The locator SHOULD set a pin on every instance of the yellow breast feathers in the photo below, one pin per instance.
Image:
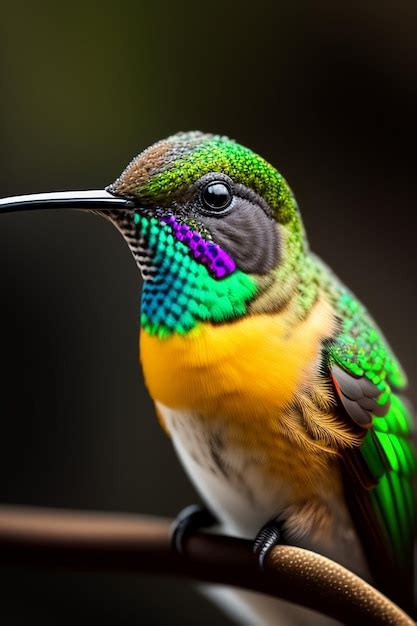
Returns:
(247, 369)
(246, 376)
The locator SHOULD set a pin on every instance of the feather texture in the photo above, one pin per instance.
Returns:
(381, 479)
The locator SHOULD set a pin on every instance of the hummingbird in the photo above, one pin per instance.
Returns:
(283, 399)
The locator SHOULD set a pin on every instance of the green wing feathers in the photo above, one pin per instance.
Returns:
(367, 377)
(388, 452)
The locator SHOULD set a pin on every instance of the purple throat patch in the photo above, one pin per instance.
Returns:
(209, 254)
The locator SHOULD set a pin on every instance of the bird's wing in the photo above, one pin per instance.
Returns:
(381, 473)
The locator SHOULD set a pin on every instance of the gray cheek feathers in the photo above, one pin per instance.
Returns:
(248, 235)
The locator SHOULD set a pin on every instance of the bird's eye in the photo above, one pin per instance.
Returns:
(216, 196)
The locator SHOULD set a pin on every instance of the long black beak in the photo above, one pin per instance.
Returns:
(98, 199)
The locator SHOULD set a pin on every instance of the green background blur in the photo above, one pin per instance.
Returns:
(327, 92)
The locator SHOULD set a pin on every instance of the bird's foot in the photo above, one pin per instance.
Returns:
(269, 536)
(188, 521)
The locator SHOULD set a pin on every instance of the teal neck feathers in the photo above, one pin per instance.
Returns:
(181, 292)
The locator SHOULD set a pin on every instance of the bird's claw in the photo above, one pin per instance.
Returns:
(188, 521)
(269, 536)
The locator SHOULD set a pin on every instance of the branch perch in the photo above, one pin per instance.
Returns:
(52, 538)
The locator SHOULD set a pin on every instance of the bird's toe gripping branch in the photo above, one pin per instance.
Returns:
(187, 522)
(269, 536)
(196, 517)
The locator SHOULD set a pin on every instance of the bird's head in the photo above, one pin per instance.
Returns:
(214, 224)
(214, 229)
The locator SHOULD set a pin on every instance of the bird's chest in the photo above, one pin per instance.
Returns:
(223, 394)
(231, 478)
(247, 370)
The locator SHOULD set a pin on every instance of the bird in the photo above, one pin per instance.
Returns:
(282, 398)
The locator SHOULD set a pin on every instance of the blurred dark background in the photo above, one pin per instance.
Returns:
(326, 91)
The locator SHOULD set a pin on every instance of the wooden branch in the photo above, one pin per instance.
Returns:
(51, 539)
